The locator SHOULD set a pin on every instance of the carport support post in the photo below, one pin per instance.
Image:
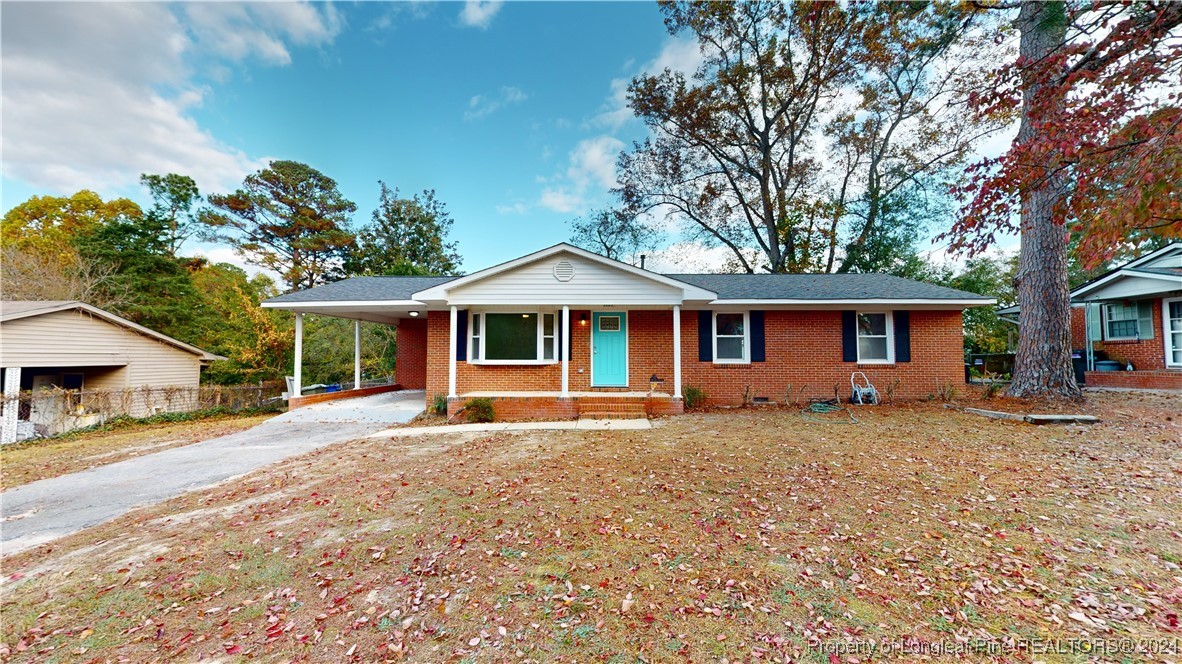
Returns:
(12, 404)
(451, 355)
(565, 344)
(357, 355)
(299, 355)
(677, 351)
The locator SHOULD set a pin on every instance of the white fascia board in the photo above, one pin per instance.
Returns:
(341, 304)
(1121, 274)
(805, 304)
(439, 293)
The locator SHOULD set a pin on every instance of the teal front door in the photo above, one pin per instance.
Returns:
(609, 349)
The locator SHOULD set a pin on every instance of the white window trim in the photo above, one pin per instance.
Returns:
(1105, 320)
(890, 337)
(1165, 329)
(476, 350)
(746, 359)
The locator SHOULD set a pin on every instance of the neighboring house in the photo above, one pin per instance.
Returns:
(1130, 316)
(77, 347)
(563, 331)
(1133, 315)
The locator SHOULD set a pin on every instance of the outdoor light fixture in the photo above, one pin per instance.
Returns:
(414, 314)
(582, 319)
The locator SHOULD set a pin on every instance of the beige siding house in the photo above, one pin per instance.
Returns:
(74, 346)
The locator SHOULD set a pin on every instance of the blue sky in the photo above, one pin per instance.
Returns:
(512, 112)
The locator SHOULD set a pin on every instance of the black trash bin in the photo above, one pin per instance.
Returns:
(1080, 364)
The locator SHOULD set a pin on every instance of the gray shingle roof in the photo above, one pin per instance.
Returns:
(1168, 271)
(821, 287)
(363, 289)
(728, 286)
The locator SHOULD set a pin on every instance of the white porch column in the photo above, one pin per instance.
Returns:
(677, 351)
(451, 355)
(12, 388)
(298, 378)
(565, 344)
(357, 355)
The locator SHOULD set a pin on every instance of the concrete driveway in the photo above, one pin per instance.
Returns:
(46, 510)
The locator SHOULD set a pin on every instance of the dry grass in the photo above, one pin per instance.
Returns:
(34, 460)
(737, 536)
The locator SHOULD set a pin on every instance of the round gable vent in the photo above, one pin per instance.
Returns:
(564, 271)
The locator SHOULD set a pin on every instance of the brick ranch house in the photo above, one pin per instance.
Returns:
(563, 332)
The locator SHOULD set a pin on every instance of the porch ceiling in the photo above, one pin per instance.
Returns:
(386, 314)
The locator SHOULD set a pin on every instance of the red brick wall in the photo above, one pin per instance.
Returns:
(1145, 354)
(802, 347)
(309, 399)
(410, 366)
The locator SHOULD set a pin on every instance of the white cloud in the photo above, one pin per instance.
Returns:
(480, 106)
(561, 200)
(95, 94)
(219, 254)
(516, 208)
(679, 55)
(479, 13)
(592, 164)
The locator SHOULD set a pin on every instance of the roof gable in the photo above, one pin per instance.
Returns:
(1155, 273)
(17, 309)
(564, 274)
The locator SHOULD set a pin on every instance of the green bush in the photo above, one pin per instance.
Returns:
(479, 410)
(693, 396)
(439, 405)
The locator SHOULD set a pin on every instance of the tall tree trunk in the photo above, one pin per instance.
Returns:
(1043, 363)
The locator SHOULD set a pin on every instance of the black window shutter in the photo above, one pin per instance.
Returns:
(705, 336)
(558, 331)
(757, 344)
(849, 336)
(902, 336)
(462, 335)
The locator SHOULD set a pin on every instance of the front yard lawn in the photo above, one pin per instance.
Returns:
(21, 463)
(722, 536)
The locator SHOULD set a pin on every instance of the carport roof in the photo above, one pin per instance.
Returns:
(363, 289)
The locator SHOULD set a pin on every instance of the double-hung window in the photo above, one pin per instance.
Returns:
(730, 338)
(513, 338)
(1120, 321)
(874, 338)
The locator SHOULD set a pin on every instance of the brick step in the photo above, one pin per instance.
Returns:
(611, 415)
(637, 401)
(637, 407)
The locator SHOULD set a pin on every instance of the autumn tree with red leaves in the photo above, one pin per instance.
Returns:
(1098, 87)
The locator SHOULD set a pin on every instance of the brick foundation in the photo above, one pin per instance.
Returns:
(1141, 380)
(309, 399)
